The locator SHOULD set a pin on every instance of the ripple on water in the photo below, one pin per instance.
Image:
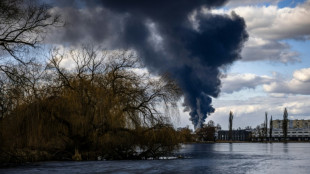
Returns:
(200, 158)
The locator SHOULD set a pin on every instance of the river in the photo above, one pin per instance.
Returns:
(199, 158)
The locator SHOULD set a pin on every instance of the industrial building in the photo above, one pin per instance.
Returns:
(237, 135)
(297, 130)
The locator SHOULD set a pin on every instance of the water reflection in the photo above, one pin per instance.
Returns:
(201, 158)
(285, 147)
(231, 147)
(271, 148)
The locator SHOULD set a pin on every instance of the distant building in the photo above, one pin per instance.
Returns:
(297, 130)
(292, 124)
(237, 135)
(217, 129)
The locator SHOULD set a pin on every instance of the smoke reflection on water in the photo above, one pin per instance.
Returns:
(198, 158)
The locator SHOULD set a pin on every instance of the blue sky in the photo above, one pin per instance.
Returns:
(267, 67)
(273, 74)
(267, 81)
(289, 3)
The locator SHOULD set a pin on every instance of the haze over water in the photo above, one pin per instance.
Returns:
(200, 158)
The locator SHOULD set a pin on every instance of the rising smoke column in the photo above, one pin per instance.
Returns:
(171, 36)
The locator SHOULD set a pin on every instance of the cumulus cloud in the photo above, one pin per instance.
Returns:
(258, 49)
(302, 75)
(275, 85)
(275, 23)
(165, 41)
(235, 3)
(268, 26)
(237, 82)
(299, 84)
(251, 112)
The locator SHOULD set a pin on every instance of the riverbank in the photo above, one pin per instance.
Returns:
(213, 142)
(18, 157)
(23, 156)
(202, 158)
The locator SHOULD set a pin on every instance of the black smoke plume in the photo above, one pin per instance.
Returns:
(178, 37)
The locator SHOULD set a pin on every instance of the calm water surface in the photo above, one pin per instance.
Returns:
(201, 158)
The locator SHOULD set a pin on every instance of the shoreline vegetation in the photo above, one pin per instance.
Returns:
(102, 105)
(109, 111)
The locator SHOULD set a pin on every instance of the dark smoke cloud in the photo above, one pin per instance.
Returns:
(161, 32)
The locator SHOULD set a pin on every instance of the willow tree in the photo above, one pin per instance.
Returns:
(118, 104)
(99, 107)
(23, 25)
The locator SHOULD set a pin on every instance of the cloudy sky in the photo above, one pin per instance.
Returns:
(274, 71)
(245, 56)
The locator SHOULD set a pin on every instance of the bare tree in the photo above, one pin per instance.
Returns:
(23, 24)
(109, 95)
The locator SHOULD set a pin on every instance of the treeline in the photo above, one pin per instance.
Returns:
(79, 104)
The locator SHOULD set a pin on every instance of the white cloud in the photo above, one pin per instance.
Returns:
(257, 49)
(302, 75)
(276, 85)
(279, 93)
(235, 3)
(277, 23)
(268, 26)
(237, 82)
(251, 112)
(299, 84)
